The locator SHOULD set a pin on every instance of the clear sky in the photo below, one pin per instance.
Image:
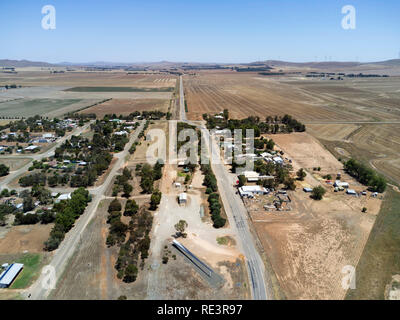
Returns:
(199, 30)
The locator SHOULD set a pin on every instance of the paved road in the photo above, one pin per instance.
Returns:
(73, 237)
(182, 100)
(237, 215)
(37, 156)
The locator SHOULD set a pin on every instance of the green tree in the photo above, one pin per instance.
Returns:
(318, 193)
(155, 199)
(301, 174)
(180, 228)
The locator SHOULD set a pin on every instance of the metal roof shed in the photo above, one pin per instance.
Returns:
(8, 276)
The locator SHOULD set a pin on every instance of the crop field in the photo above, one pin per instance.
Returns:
(48, 107)
(374, 144)
(127, 106)
(82, 78)
(306, 100)
(119, 89)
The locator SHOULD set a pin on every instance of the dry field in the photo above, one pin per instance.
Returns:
(44, 93)
(22, 238)
(77, 79)
(126, 106)
(309, 245)
(306, 100)
(376, 144)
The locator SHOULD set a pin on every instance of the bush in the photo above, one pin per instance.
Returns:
(318, 193)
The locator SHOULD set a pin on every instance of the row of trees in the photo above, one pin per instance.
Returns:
(365, 175)
(210, 181)
(149, 175)
(67, 211)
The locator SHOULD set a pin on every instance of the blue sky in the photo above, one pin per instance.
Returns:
(199, 31)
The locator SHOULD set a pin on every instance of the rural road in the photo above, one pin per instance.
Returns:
(237, 215)
(60, 259)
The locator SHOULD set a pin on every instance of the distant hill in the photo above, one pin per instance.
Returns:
(24, 63)
(327, 64)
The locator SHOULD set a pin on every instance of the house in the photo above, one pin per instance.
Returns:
(8, 276)
(342, 184)
(351, 192)
(65, 196)
(218, 117)
(31, 148)
(277, 160)
(121, 133)
(182, 198)
(47, 136)
(250, 191)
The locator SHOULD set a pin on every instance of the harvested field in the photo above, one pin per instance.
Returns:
(306, 100)
(82, 78)
(119, 89)
(374, 144)
(127, 106)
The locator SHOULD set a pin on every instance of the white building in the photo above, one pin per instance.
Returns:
(351, 192)
(8, 276)
(342, 184)
(31, 148)
(182, 198)
(277, 160)
(121, 133)
(250, 191)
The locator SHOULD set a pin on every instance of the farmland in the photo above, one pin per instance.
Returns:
(127, 106)
(306, 100)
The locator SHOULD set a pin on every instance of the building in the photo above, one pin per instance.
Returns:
(342, 184)
(182, 198)
(121, 133)
(8, 276)
(250, 191)
(351, 192)
(65, 196)
(277, 160)
(47, 136)
(252, 176)
(307, 189)
(31, 148)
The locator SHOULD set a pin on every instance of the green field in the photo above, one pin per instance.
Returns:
(119, 89)
(29, 272)
(381, 256)
(29, 108)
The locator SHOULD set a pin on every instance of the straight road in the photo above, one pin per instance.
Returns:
(237, 215)
(182, 99)
(59, 261)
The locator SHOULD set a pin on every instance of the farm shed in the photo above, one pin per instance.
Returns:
(8, 276)
(182, 198)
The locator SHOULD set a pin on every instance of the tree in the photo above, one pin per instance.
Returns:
(127, 190)
(115, 205)
(318, 193)
(290, 184)
(301, 174)
(226, 114)
(155, 199)
(242, 180)
(180, 228)
(28, 204)
(131, 272)
(131, 208)
(4, 170)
